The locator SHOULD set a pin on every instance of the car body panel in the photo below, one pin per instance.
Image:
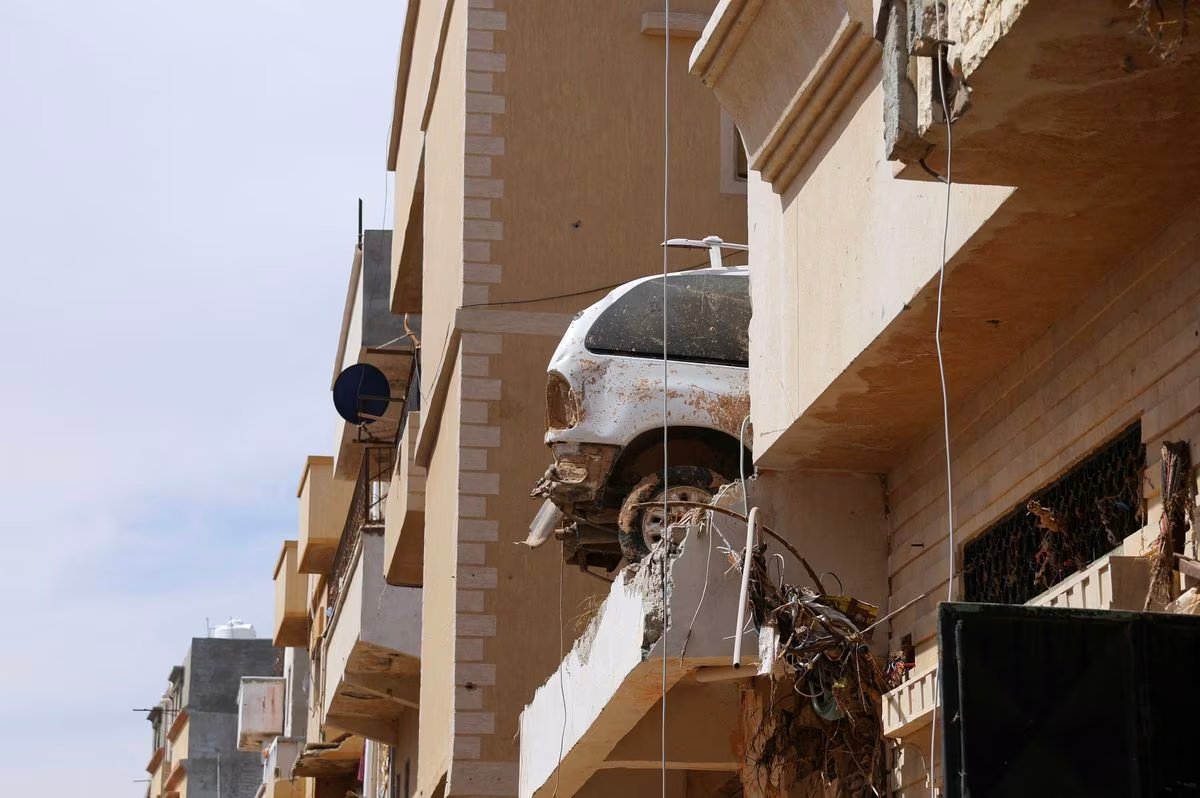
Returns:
(614, 398)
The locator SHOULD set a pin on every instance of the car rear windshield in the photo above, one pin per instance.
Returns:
(708, 320)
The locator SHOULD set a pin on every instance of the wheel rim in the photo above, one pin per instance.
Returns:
(652, 517)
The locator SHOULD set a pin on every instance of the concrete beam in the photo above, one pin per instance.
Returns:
(701, 720)
(607, 783)
(682, 783)
(380, 729)
(401, 690)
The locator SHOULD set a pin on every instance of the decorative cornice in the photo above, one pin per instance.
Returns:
(816, 105)
(722, 36)
(784, 112)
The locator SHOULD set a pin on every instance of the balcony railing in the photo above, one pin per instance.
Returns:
(366, 511)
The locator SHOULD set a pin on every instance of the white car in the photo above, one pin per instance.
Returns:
(605, 409)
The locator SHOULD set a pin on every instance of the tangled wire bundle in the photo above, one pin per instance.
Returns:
(828, 725)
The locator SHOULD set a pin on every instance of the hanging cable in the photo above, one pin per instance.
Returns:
(666, 234)
(583, 292)
(562, 690)
(942, 51)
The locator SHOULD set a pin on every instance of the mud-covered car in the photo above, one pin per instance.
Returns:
(605, 409)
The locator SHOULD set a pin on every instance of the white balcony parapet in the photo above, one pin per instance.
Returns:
(1112, 582)
(910, 706)
(613, 675)
(279, 757)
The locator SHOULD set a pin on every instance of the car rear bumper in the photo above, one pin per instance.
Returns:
(578, 474)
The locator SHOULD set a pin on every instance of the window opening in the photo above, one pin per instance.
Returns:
(708, 322)
(1062, 528)
(741, 167)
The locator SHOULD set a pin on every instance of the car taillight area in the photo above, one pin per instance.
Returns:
(562, 409)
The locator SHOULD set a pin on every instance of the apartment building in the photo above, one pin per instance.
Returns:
(194, 724)
(527, 145)
(342, 719)
(1071, 348)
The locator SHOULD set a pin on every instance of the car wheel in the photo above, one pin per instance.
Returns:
(641, 527)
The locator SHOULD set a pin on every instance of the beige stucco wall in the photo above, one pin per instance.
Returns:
(444, 167)
(542, 175)
(583, 161)
(841, 254)
(838, 523)
(1130, 350)
(157, 778)
(437, 609)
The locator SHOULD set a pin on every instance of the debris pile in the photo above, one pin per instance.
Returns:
(1166, 32)
(1178, 507)
(826, 724)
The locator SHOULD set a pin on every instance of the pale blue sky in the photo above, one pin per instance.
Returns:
(177, 216)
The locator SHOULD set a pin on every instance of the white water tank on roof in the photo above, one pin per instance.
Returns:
(234, 630)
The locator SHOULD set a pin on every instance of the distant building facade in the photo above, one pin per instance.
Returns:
(195, 723)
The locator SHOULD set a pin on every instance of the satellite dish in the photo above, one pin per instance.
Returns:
(361, 394)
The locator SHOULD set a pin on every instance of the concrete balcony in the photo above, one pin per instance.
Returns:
(324, 502)
(291, 599)
(261, 706)
(158, 767)
(404, 527)
(1053, 194)
(1112, 582)
(279, 757)
(612, 679)
(372, 334)
(612, 682)
(174, 777)
(370, 660)
(338, 757)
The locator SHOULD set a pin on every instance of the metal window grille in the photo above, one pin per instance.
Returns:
(1095, 506)
(366, 510)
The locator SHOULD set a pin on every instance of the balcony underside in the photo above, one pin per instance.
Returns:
(292, 632)
(1097, 135)
(377, 686)
(339, 757)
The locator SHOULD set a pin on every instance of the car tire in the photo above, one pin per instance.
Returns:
(694, 480)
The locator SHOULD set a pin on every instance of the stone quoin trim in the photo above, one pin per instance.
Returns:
(479, 433)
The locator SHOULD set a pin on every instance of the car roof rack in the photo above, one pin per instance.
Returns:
(714, 245)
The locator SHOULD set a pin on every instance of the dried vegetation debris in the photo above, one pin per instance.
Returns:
(820, 728)
(1164, 21)
(1178, 511)
(823, 721)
